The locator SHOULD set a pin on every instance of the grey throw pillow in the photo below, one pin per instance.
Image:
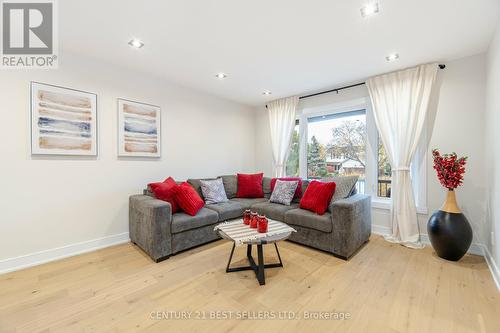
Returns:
(284, 191)
(213, 191)
(345, 185)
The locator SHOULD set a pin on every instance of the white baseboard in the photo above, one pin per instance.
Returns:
(474, 248)
(37, 258)
(495, 272)
(381, 230)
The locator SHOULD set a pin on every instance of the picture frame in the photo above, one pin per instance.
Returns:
(63, 121)
(139, 129)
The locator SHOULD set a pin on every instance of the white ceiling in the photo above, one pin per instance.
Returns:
(285, 46)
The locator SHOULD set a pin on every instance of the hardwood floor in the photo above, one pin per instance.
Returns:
(384, 288)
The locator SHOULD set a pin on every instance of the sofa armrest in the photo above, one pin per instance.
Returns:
(351, 218)
(149, 225)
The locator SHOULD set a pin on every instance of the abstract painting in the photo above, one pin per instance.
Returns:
(138, 129)
(63, 121)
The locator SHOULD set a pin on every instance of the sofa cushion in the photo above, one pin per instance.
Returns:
(272, 210)
(284, 191)
(196, 184)
(227, 210)
(344, 186)
(165, 191)
(305, 184)
(266, 186)
(213, 191)
(298, 190)
(248, 202)
(182, 221)
(317, 197)
(230, 185)
(308, 219)
(188, 199)
(147, 191)
(250, 185)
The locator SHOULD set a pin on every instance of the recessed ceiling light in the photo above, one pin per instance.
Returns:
(136, 43)
(369, 9)
(266, 92)
(392, 57)
(221, 75)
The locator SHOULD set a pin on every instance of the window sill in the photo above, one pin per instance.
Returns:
(386, 205)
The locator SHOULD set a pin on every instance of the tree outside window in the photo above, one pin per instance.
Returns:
(292, 164)
(337, 146)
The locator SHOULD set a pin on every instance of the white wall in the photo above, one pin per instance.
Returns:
(459, 126)
(492, 229)
(50, 202)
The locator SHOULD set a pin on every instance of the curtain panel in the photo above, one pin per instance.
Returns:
(282, 113)
(400, 103)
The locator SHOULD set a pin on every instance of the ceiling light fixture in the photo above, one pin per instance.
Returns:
(221, 75)
(136, 43)
(266, 93)
(369, 9)
(392, 57)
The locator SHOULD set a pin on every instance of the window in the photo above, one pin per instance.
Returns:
(384, 172)
(342, 139)
(292, 164)
(336, 145)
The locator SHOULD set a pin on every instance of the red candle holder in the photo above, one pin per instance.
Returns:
(246, 217)
(262, 225)
(254, 220)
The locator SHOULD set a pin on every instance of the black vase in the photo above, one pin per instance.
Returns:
(449, 231)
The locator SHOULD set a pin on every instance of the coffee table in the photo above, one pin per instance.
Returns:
(260, 266)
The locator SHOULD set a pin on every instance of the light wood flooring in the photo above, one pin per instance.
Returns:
(383, 288)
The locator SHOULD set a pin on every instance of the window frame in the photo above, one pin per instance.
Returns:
(419, 163)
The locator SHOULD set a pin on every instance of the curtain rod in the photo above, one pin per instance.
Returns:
(441, 66)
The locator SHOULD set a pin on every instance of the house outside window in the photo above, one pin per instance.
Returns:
(337, 146)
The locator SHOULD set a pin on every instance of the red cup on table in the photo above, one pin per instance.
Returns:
(246, 216)
(254, 220)
(262, 225)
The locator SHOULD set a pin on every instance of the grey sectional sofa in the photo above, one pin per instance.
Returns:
(343, 229)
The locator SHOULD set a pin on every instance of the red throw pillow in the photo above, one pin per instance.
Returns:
(298, 191)
(165, 191)
(188, 199)
(250, 186)
(317, 196)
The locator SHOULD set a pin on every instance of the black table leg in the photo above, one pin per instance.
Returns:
(258, 268)
(278, 253)
(260, 272)
(230, 257)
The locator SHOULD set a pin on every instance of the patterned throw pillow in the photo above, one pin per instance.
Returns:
(213, 191)
(298, 191)
(284, 191)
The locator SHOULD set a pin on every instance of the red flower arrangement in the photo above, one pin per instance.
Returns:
(450, 169)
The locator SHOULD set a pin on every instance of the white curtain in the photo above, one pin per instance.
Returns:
(400, 105)
(282, 122)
